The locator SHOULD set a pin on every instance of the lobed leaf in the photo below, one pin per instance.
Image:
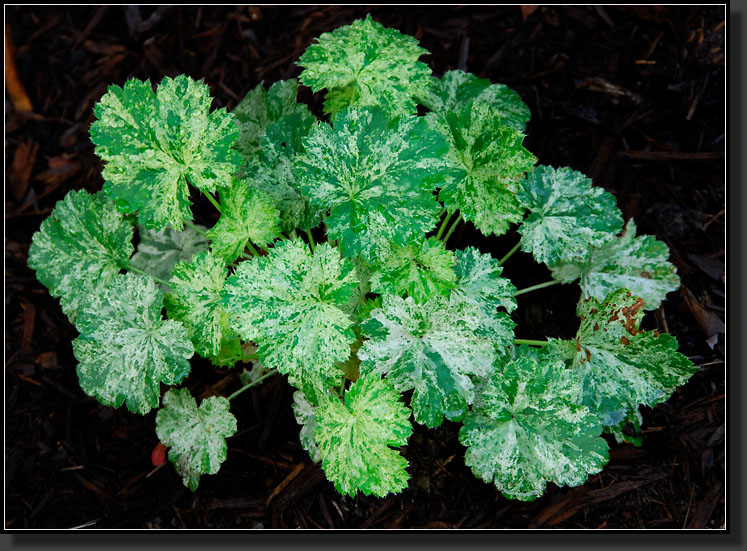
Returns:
(479, 282)
(305, 414)
(196, 437)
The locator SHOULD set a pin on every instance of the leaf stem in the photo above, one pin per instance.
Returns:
(311, 240)
(214, 202)
(452, 228)
(253, 383)
(251, 248)
(509, 254)
(535, 287)
(531, 342)
(131, 268)
(443, 225)
(195, 228)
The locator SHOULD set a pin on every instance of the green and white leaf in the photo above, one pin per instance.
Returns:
(356, 438)
(159, 251)
(305, 414)
(79, 248)
(375, 176)
(486, 161)
(196, 301)
(420, 270)
(619, 365)
(153, 145)
(247, 215)
(457, 88)
(639, 264)
(567, 215)
(479, 282)
(196, 437)
(434, 348)
(126, 349)
(529, 430)
(290, 303)
(365, 64)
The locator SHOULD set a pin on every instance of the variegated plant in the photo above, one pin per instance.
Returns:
(383, 324)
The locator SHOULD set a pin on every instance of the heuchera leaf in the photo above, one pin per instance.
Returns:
(619, 365)
(196, 437)
(289, 303)
(434, 348)
(153, 145)
(305, 414)
(79, 248)
(486, 161)
(567, 215)
(418, 270)
(457, 88)
(366, 64)
(356, 437)
(638, 264)
(159, 251)
(126, 349)
(529, 430)
(196, 301)
(375, 176)
(479, 282)
(247, 214)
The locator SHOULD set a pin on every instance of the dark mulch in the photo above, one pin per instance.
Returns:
(633, 96)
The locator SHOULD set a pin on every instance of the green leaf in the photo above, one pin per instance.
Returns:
(247, 215)
(356, 438)
(486, 161)
(375, 176)
(456, 89)
(290, 303)
(305, 414)
(638, 264)
(196, 301)
(159, 251)
(152, 145)
(566, 215)
(365, 64)
(434, 348)
(619, 365)
(196, 437)
(79, 248)
(418, 270)
(126, 349)
(479, 282)
(529, 430)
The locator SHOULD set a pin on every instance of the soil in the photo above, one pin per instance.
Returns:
(633, 96)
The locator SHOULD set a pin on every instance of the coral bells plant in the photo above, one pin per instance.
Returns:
(381, 325)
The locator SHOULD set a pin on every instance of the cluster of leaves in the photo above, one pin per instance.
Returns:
(383, 308)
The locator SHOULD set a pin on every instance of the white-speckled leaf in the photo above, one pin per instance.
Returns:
(567, 215)
(79, 248)
(159, 251)
(290, 303)
(456, 88)
(619, 365)
(420, 270)
(153, 145)
(247, 215)
(365, 64)
(479, 282)
(305, 414)
(126, 349)
(529, 430)
(375, 176)
(434, 348)
(486, 161)
(356, 438)
(196, 437)
(639, 264)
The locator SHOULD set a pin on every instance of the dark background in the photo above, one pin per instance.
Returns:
(633, 96)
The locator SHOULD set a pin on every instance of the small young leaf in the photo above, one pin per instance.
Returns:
(355, 438)
(529, 430)
(638, 264)
(479, 282)
(434, 348)
(289, 302)
(154, 144)
(196, 437)
(456, 89)
(566, 215)
(79, 248)
(126, 349)
(486, 161)
(365, 64)
(305, 414)
(376, 177)
(619, 365)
